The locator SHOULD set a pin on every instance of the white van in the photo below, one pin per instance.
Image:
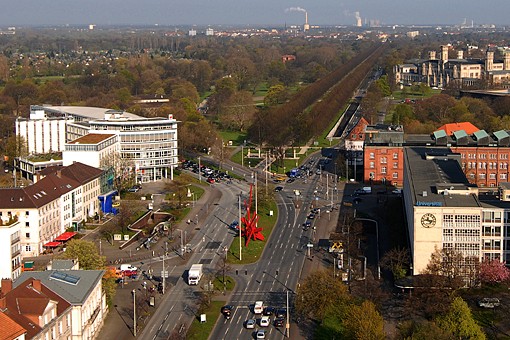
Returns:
(258, 307)
(367, 190)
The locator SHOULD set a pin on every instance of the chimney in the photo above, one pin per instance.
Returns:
(37, 285)
(6, 286)
(3, 302)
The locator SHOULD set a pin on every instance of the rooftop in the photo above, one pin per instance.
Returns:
(92, 138)
(450, 128)
(437, 178)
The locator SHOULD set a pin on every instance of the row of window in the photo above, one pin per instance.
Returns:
(372, 165)
(383, 171)
(484, 156)
(383, 159)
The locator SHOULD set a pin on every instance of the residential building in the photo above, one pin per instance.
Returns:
(36, 309)
(10, 242)
(82, 289)
(60, 198)
(10, 329)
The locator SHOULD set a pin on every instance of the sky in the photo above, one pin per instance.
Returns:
(249, 12)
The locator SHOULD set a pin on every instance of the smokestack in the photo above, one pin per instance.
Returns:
(306, 26)
(306, 18)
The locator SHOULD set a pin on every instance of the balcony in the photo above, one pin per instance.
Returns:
(15, 240)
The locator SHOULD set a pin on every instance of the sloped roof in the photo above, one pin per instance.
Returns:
(76, 294)
(10, 329)
(26, 301)
(79, 172)
(450, 128)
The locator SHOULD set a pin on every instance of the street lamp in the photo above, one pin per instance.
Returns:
(134, 312)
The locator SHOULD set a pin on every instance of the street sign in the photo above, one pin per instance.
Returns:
(164, 273)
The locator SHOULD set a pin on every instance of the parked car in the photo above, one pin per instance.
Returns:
(489, 302)
(234, 225)
(311, 216)
(250, 323)
(278, 189)
(396, 191)
(307, 224)
(133, 189)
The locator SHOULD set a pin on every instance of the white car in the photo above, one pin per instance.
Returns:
(261, 334)
(396, 191)
(265, 321)
(250, 323)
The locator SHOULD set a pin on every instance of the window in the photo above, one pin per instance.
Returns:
(372, 165)
(384, 160)
(372, 155)
(27, 235)
(502, 176)
(395, 155)
(27, 224)
(28, 248)
(395, 165)
(383, 170)
(395, 175)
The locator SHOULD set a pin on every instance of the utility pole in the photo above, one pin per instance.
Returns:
(199, 169)
(256, 200)
(240, 225)
(134, 312)
(288, 323)
(164, 271)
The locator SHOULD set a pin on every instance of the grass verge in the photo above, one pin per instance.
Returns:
(201, 330)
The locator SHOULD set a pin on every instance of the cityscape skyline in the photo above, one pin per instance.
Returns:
(263, 12)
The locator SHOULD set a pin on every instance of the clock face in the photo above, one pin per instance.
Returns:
(428, 220)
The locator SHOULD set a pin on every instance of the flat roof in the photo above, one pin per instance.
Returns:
(431, 171)
(92, 138)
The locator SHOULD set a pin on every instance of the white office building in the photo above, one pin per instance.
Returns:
(10, 261)
(94, 149)
(148, 145)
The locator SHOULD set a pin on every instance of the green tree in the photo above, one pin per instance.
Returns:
(318, 293)
(364, 322)
(459, 321)
(87, 254)
(397, 261)
(15, 147)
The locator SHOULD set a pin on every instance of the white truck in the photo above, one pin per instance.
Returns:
(195, 274)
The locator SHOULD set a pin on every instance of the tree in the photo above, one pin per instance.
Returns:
(423, 331)
(15, 147)
(87, 254)
(446, 264)
(238, 111)
(493, 271)
(318, 293)
(364, 322)
(396, 260)
(459, 321)
(178, 188)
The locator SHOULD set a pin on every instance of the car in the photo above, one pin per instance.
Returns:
(265, 321)
(268, 311)
(311, 216)
(261, 334)
(290, 180)
(250, 323)
(278, 189)
(307, 224)
(210, 180)
(315, 210)
(396, 191)
(280, 313)
(279, 322)
(227, 311)
(234, 225)
(489, 302)
(133, 189)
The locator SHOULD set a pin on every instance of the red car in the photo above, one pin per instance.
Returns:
(130, 273)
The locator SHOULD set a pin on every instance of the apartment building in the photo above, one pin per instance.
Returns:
(10, 242)
(82, 289)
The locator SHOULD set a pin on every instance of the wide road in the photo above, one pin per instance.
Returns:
(279, 268)
(178, 306)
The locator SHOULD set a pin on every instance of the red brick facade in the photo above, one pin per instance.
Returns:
(383, 164)
(483, 166)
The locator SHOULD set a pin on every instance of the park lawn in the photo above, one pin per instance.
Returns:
(201, 330)
(261, 90)
(236, 137)
(254, 250)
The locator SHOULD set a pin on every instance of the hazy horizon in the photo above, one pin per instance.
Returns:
(242, 12)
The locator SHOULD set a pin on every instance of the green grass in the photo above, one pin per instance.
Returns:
(201, 330)
(261, 90)
(236, 137)
(218, 283)
(254, 250)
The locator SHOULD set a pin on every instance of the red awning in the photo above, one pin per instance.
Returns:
(52, 244)
(66, 236)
